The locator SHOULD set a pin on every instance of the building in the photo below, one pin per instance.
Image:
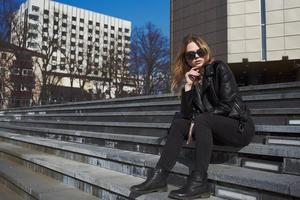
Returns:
(82, 48)
(17, 81)
(260, 39)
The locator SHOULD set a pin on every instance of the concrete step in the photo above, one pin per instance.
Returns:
(261, 157)
(138, 128)
(259, 184)
(6, 193)
(275, 116)
(278, 88)
(288, 100)
(288, 87)
(38, 186)
(135, 99)
(106, 183)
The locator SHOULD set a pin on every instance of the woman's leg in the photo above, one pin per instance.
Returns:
(157, 180)
(178, 130)
(209, 127)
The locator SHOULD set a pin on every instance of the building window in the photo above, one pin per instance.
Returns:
(53, 67)
(33, 26)
(62, 67)
(73, 18)
(105, 26)
(16, 71)
(46, 12)
(81, 20)
(112, 35)
(105, 34)
(35, 8)
(65, 16)
(90, 22)
(33, 17)
(120, 30)
(56, 14)
(112, 28)
(126, 30)
(73, 26)
(97, 24)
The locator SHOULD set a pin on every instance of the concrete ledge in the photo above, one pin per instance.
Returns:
(247, 98)
(7, 193)
(135, 98)
(143, 125)
(37, 185)
(278, 128)
(119, 183)
(253, 148)
(257, 111)
(271, 86)
(262, 97)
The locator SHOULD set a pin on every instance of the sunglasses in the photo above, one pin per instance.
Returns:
(191, 55)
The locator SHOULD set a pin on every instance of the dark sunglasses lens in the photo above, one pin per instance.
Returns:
(190, 55)
(200, 53)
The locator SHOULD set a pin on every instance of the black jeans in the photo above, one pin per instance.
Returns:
(208, 129)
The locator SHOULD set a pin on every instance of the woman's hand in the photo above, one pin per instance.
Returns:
(190, 77)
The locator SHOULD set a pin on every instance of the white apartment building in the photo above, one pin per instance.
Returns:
(83, 38)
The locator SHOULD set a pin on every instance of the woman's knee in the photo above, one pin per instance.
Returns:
(203, 119)
(180, 123)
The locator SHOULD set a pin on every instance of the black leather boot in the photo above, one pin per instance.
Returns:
(156, 181)
(196, 187)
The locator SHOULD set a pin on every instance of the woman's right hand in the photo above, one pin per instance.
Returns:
(190, 77)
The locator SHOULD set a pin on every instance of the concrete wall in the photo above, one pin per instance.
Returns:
(204, 17)
(244, 31)
(283, 29)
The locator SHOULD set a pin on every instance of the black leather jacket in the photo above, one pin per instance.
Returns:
(218, 94)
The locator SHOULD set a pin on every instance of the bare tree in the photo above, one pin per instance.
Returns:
(7, 9)
(150, 58)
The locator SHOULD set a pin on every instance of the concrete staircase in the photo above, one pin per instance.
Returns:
(98, 149)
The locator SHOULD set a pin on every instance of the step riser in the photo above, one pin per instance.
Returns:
(270, 91)
(65, 179)
(258, 119)
(289, 103)
(282, 103)
(17, 190)
(98, 128)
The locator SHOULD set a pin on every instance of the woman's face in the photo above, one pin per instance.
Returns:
(194, 56)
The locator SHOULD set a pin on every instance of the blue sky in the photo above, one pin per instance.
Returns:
(137, 11)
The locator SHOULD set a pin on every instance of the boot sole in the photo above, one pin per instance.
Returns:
(164, 189)
(202, 196)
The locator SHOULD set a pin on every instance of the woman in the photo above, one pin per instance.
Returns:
(212, 111)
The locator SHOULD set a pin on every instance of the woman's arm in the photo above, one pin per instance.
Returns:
(186, 103)
(228, 89)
